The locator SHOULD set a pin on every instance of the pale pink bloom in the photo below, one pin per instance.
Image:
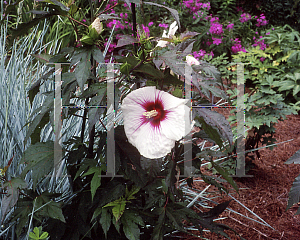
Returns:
(154, 120)
(190, 60)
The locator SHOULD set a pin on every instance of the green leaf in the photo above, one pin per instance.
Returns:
(35, 87)
(296, 90)
(149, 69)
(35, 136)
(23, 28)
(47, 106)
(116, 224)
(131, 230)
(33, 235)
(36, 231)
(87, 163)
(170, 79)
(82, 70)
(130, 227)
(212, 132)
(90, 171)
(225, 175)
(177, 92)
(175, 219)
(125, 68)
(97, 54)
(93, 34)
(48, 208)
(44, 235)
(105, 220)
(118, 207)
(96, 182)
(86, 39)
(129, 194)
(113, 191)
(171, 60)
(40, 159)
(158, 232)
(21, 215)
(73, 9)
(55, 211)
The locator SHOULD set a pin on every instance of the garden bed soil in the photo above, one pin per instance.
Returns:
(266, 193)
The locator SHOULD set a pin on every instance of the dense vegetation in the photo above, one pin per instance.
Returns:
(61, 176)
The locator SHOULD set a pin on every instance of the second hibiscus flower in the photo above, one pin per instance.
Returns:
(154, 120)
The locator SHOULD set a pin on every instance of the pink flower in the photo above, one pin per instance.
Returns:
(216, 28)
(261, 21)
(230, 26)
(150, 24)
(154, 120)
(245, 17)
(200, 54)
(217, 41)
(164, 25)
(237, 47)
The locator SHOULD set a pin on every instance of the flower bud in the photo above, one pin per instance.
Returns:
(97, 25)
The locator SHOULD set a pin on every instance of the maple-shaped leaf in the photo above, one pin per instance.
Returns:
(12, 195)
(218, 122)
(48, 208)
(171, 59)
(40, 159)
(118, 207)
(130, 221)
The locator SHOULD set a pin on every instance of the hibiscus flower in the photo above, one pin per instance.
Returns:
(154, 120)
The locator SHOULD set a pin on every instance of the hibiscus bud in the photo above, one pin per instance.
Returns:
(190, 60)
(97, 25)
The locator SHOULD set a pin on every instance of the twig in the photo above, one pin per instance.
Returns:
(107, 9)
(77, 21)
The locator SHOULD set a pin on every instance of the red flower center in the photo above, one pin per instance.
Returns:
(154, 112)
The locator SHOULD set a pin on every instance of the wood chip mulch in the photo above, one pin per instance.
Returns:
(266, 194)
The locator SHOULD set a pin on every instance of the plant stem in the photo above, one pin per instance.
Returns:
(134, 24)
